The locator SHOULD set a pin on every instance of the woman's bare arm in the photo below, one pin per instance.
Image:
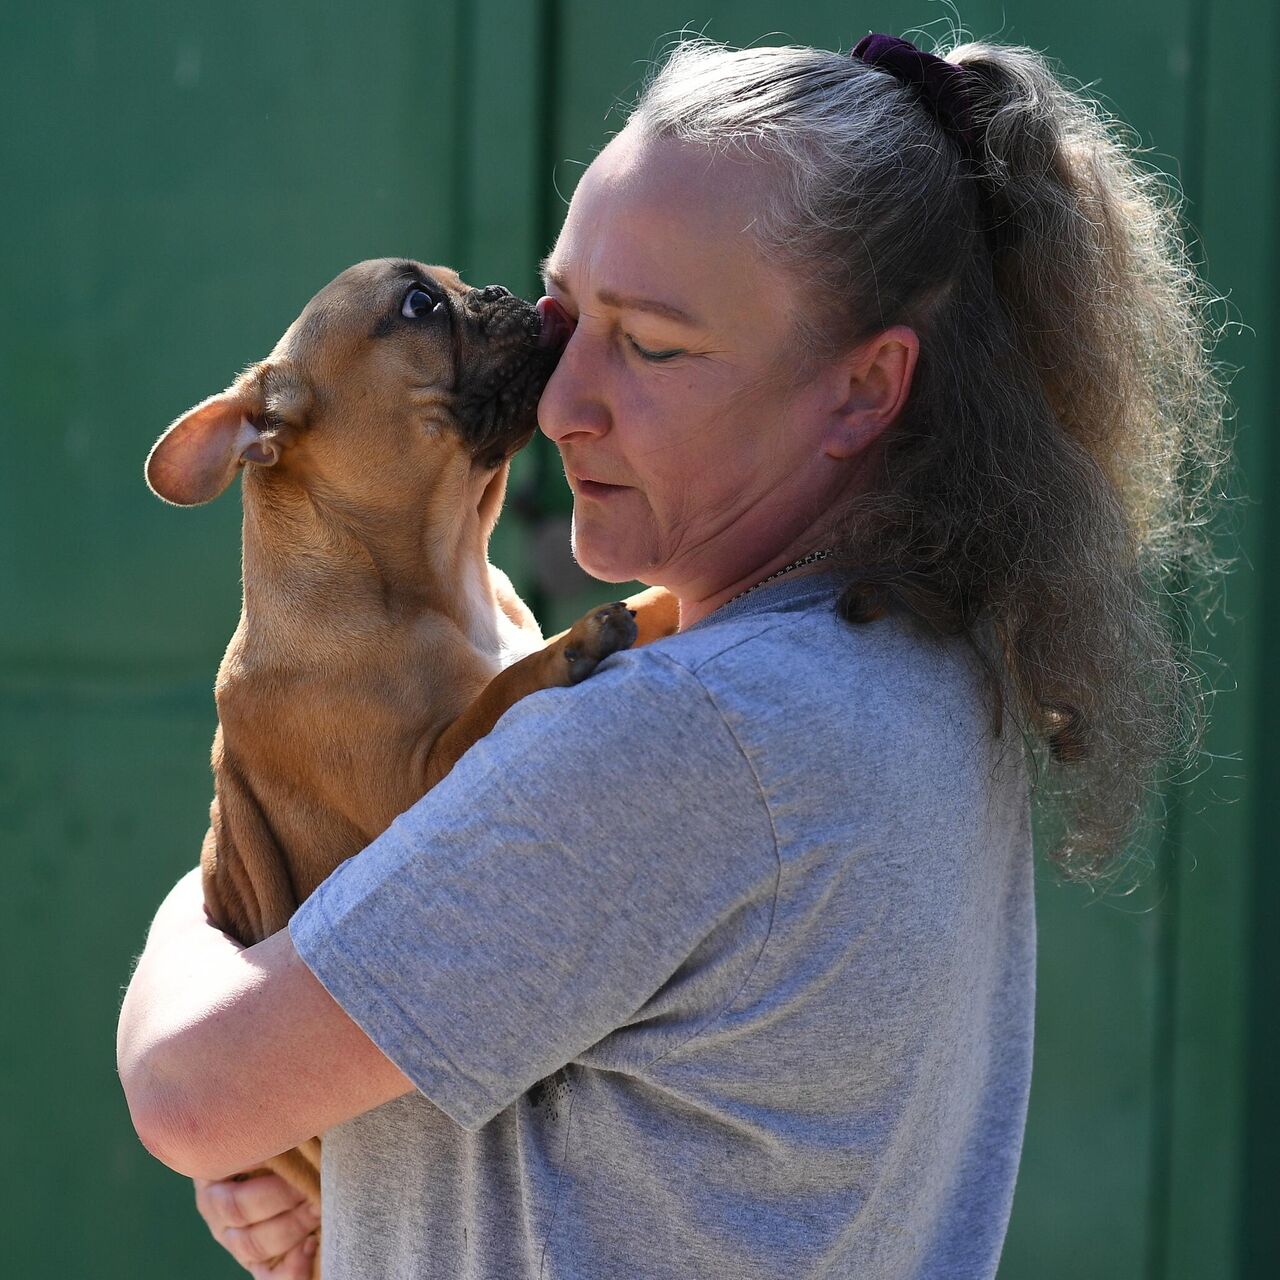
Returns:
(229, 1055)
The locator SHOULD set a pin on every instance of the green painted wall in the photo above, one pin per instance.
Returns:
(178, 181)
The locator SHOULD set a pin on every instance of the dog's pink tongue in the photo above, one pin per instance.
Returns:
(556, 325)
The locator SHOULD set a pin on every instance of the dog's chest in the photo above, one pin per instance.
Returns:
(492, 634)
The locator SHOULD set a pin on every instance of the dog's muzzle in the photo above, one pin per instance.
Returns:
(507, 358)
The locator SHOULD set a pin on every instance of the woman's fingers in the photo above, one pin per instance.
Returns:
(261, 1220)
(295, 1265)
(242, 1201)
(265, 1241)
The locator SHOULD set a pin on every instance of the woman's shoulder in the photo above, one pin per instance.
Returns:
(885, 688)
(883, 698)
(889, 663)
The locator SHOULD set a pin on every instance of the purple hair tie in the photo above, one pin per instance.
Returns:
(944, 87)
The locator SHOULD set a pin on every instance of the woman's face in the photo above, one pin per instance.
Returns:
(688, 437)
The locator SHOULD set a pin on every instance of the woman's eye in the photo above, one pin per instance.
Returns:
(646, 354)
(418, 303)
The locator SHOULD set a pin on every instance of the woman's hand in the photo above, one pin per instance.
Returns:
(260, 1220)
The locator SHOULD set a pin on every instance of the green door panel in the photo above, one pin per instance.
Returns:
(103, 803)
(179, 180)
(1224, 971)
(190, 178)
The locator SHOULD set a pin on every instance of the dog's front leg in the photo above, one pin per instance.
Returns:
(568, 658)
(657, 614)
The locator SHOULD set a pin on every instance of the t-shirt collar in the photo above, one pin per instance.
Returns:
(794, 592)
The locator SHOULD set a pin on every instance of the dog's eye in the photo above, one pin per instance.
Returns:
(418, 303)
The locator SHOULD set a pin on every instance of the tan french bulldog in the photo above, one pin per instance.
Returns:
(376, 642)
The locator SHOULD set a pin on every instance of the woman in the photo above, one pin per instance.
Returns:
(892, 370)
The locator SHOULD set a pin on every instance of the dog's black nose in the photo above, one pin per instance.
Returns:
(492, 292)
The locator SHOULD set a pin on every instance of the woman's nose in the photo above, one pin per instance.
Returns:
(571, 405)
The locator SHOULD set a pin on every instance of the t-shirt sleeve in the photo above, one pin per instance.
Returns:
(545, 890)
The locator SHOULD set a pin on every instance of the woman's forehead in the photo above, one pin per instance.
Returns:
(657, 213)
(680, 185)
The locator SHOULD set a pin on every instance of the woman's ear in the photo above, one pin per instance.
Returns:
(875, 380)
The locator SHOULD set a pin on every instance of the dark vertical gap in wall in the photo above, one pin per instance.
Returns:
(1169, 871)
(546, 460)
(464, 53)
(549, 54)
(1259, 1218)
(1168, 912)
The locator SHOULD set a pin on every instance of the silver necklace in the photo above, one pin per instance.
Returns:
(812, 558)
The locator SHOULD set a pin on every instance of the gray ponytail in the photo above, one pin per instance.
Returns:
(1050, 478)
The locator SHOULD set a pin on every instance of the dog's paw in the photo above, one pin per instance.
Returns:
(592, 639)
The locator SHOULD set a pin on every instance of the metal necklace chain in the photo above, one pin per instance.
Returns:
(812, 558)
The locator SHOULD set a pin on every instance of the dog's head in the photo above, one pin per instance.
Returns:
(393, 373)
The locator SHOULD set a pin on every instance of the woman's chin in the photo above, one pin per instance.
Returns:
(603, 570)
(607, 563)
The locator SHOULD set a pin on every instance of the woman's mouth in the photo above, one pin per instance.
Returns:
(594, 488)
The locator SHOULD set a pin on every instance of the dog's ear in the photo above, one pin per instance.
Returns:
(198, 456)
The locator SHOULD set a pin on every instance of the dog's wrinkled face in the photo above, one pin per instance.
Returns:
(393, 371)
(473, 353)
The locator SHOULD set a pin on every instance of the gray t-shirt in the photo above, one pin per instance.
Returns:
(720, 964)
